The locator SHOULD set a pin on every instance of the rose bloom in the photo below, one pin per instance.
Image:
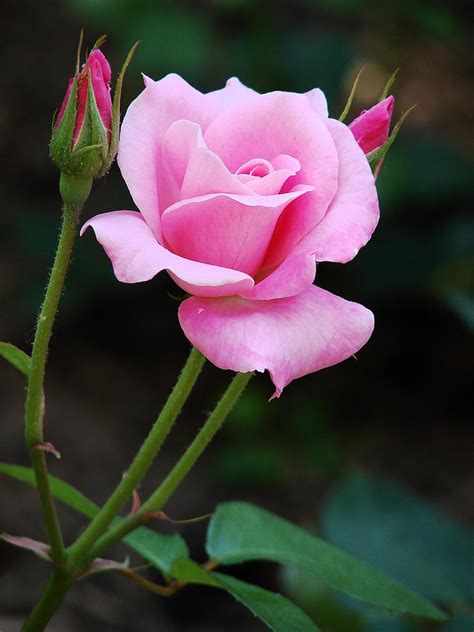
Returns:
(240, 195)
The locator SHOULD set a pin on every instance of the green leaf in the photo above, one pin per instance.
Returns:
(240, 531)
(160, 549)
(277, 612)
(187, 571)
(61, 490)
(402, 535)
(18, 358)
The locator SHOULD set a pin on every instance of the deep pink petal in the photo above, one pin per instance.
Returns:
(100, 75)
(98, 68)
(64, 103)
(353, 214)
(145, 123)
(289, 337)
(232, 231)
(137, 256)
(372, 126)
(281, 123)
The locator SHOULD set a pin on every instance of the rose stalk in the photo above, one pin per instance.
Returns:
(78, 124)
(83, 145)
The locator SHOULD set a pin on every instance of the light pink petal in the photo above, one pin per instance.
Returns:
(372, 126)
(284, 161)
(143, 128)
(353, 215)
(232, 231)
(137, 256)
(318, 102)
(281, 123)
(194, 168)
(232, 94)
(289, 337)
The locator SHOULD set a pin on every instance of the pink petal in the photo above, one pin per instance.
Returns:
(318, 102)
(100, 76)
(353, 214)
(289, 337)
(372, 126)
(291, 277)
(285, 167)
(281, 123)
(143, 128)
(232, 231)
(195, 169)
(64, 103)
(232, 94)
(137, 256)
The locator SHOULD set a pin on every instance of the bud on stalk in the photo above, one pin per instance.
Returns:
(85, 136)
(371, 127)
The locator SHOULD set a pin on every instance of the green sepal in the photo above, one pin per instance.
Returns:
(99, 42)
(377, 156)
(84, 158)
(60, 147)
(89, 152)
(389, 84)
(115, 127)
(347, 107)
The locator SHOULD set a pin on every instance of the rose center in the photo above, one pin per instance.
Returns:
(257, 167)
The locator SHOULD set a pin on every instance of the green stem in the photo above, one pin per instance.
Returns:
(180, 470)
(50, 600)
(142, 460)
(34, 400)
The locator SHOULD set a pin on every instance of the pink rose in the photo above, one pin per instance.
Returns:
(240, 194)
(372, 126)
(100, 76)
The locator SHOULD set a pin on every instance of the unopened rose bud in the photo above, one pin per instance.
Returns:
(82, 132)
(371, 127)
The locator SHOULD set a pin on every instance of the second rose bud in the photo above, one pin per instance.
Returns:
(81, 138)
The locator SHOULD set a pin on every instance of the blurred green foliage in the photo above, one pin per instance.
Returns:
(401, 535)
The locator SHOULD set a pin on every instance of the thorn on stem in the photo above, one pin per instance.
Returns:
(47, 446)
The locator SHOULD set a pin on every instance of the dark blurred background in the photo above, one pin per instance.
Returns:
(375, 454)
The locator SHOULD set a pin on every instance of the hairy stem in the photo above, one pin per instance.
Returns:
(34, 412)
(180, 470)
(50, 600)
(142, 460)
